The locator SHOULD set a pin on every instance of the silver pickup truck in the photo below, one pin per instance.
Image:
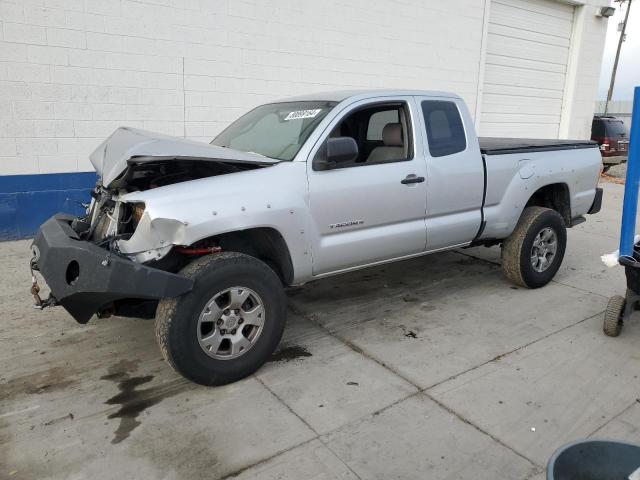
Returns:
(205, 237)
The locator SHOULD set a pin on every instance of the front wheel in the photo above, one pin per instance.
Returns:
(532, 254)
(228, 325)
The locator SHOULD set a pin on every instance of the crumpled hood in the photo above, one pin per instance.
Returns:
(130, 145)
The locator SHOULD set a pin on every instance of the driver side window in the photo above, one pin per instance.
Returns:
(381, 132)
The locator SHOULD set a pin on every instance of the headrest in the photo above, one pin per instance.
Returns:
(392, 135)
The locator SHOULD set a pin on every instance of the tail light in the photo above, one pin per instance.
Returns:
(605, 146)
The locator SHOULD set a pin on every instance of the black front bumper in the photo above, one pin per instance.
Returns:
(84, 277)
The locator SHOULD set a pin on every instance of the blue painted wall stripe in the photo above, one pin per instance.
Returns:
(47, 182)
(28, 200)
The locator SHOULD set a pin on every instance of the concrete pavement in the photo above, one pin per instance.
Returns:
(433, 368)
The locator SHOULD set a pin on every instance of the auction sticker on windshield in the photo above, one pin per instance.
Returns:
(303, 114)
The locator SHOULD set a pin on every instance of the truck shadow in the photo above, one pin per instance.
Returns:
(391, 288)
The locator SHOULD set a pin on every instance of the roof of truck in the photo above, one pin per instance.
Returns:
(340, 95)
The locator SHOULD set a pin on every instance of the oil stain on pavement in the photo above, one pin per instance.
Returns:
(290, 353)
(51, 380)
(134, 401)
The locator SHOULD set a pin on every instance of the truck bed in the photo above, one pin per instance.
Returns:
(503, 146)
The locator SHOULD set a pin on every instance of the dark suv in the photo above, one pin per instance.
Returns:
(613, 138)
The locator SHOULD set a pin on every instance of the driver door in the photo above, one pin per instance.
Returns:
(372, 209)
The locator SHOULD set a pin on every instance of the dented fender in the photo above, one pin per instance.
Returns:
(153, 238)
(185, 213)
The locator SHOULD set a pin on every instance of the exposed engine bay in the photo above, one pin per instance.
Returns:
(110, 220)
(145, 175)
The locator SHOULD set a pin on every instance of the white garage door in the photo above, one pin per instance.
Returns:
(527, 53)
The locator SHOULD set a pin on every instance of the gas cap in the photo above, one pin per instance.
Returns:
(526, 169)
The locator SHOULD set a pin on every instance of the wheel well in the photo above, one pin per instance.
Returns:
(555, 196)
(263, 243)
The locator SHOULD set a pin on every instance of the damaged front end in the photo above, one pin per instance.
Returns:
(125, 228)
(86, 278)
(122, 256)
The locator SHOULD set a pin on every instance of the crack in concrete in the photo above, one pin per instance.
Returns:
(502, 355)
(617, 415)
(240, 471)
(462, 418)
(286, 405)
(335, 454)
(420, 390)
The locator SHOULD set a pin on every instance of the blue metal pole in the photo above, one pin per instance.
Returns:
(632, 182)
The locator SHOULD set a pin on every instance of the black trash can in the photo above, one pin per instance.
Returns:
(619, 308)
(632, 270)
(594, 460)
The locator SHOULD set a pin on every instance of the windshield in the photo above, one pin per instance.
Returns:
(275, 130)
(616, 129)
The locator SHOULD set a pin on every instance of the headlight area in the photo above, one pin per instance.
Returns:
(137, 210)
(109, 220)
(123, 228)
(151, 239)
(133, 230)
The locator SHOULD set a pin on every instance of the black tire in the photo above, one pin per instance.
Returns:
(517, 248)
(613, 316)
(177, 318)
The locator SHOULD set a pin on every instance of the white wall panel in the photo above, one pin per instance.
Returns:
(528, 46)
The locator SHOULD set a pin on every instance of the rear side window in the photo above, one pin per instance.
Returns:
(597, 128)
(445, 132)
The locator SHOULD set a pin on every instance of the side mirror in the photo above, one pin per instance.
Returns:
(336, 151)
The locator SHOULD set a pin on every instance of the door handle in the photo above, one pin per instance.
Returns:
(411, 179)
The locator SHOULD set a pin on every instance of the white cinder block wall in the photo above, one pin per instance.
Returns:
(583, 71)
(71, 71)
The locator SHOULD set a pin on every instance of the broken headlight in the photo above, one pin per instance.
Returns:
(137, 210)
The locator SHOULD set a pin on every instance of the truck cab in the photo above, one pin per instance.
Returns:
(387, 202)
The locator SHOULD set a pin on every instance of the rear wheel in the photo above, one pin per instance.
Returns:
(613, 316)
(228, 325)
(532, 254)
